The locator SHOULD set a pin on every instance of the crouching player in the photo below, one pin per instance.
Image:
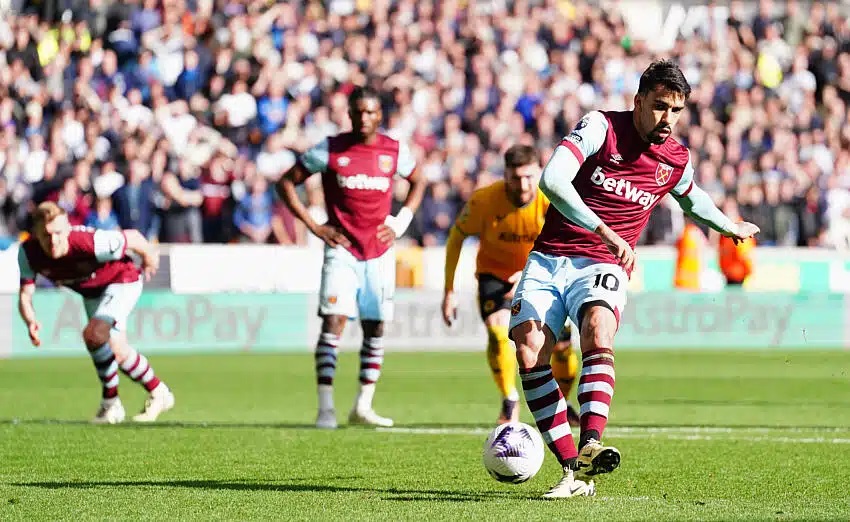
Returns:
(506, 217)
(94, 263)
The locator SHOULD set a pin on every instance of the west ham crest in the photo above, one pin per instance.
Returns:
(385, 163)
(663, 173)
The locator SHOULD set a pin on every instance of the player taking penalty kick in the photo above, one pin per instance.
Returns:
(603, 181)
(358, 274)
(506, 217)
(95, 264)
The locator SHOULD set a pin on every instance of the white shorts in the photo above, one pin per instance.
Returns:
(554, 289)
(352, 288)
(115, 305)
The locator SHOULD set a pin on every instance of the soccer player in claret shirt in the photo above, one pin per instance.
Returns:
(506, 216)
(95, 264)
(603, 181)
(358, 274)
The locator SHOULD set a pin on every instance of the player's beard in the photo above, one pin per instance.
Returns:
(655, 136)
(520, 199)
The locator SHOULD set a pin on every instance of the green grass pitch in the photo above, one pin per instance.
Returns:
(704, 436)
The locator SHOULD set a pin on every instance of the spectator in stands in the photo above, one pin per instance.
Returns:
(133, 202)
(253, 215)
(110, 84)
(181, 218)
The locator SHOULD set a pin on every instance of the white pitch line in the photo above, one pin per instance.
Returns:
(723, 429)
(727, 437)
(695, 433)
(436, 431)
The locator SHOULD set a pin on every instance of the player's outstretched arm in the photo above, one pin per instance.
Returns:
(27, 311)
(697, 204)
(557, 184)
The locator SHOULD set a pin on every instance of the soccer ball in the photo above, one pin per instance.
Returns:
(513, 452)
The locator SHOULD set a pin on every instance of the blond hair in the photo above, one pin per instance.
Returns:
(45, 213)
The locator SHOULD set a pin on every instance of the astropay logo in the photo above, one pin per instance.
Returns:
(364, 182)
(624, 189)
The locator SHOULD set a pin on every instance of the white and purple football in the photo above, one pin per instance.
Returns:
(513, 452)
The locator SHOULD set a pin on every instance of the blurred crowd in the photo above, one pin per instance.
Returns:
(175, 117)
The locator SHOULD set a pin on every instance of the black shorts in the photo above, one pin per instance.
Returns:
(492, 295)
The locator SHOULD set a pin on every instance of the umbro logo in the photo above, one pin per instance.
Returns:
(616, 158)
(343, 161)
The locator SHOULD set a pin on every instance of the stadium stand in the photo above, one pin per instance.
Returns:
(177, 116)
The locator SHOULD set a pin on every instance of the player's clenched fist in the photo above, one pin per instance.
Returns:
(332, 236)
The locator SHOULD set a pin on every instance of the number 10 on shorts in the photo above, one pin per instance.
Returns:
(607, 281)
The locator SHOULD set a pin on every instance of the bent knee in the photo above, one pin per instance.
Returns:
(599, 325)
(534, 343)
(96, 333)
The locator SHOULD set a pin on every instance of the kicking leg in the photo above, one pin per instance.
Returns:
(535, 343)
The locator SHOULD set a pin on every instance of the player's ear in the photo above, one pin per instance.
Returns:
(637, 101)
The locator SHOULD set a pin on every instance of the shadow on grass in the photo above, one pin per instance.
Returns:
(297, 486)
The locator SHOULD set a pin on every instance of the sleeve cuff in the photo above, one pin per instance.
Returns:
(575, 150)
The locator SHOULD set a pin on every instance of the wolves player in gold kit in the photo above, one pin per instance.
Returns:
(506, 217)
